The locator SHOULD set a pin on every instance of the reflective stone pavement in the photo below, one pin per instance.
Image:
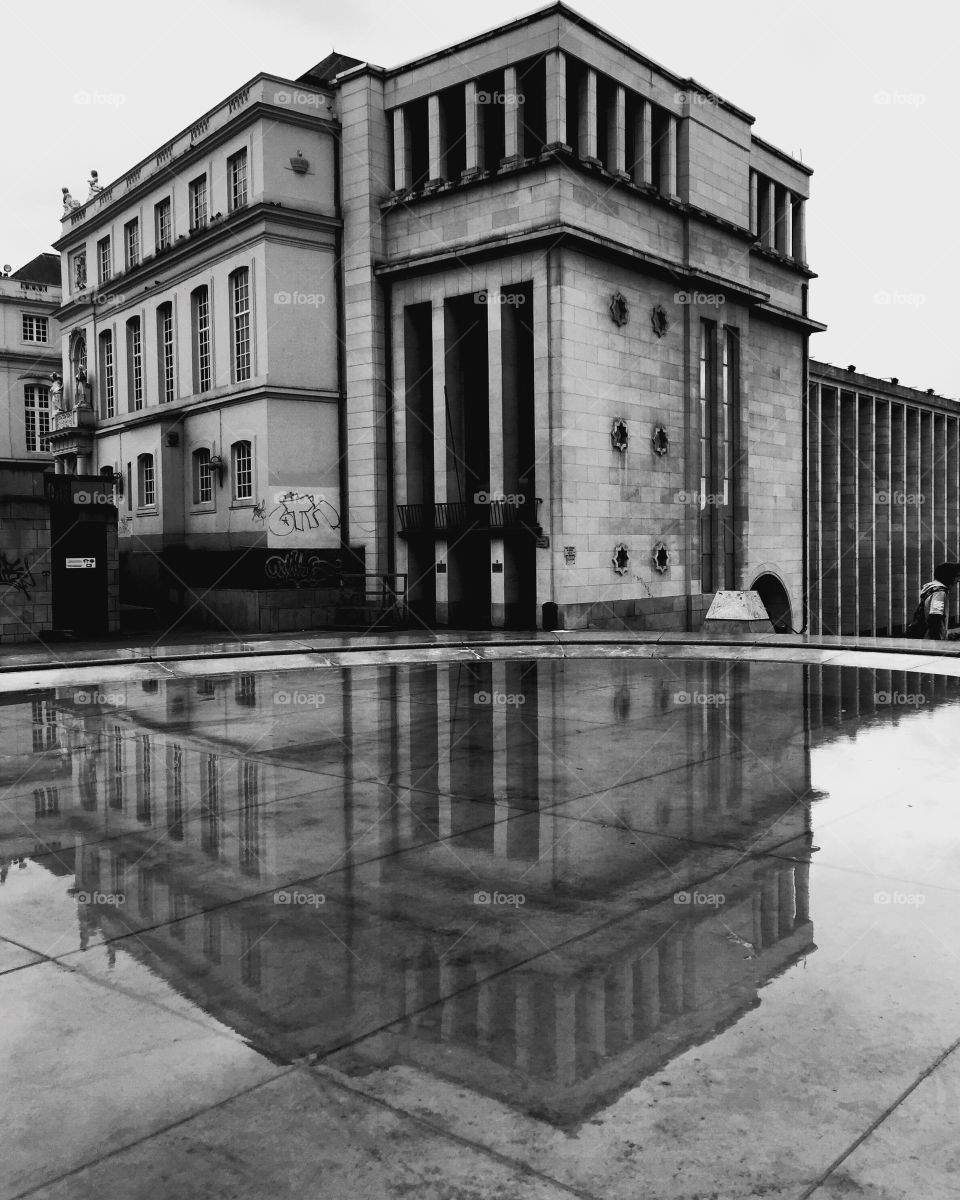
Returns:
(668, 927)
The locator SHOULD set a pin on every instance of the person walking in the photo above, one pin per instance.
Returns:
(930, 618)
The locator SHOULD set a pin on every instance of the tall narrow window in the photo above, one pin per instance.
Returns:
(708, 406)
(165, 353)
(242, 471)
(198, 202)
(36, 415)
(131, 243)
(237, 179)
(163, 223)
(202, 477)
(108, 403)
(146, 482)
(240, 307)
(719, 408)
(134, 364)
(104, 261)
(202, 367)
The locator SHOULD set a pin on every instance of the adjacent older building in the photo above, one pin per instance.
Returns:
(523, 323)
(29, 357)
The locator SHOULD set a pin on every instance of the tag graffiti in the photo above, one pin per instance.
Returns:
(16, 573)
(300, 512)
(298, 568)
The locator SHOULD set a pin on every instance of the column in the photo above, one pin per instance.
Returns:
(565, 1033)
(399, 376)
(449, 983)
(788, 224)
(512, 120)
(643, 146)
(402, 151)
(616, 134)
(754, 215)
(647, 996)
(444, 816)
(440, 449)
(436, 142)
(882, 516)
(587, 133)
(669, 183)
(594, 998)
(498, 750)
(486, 1014)
(770, 224)
(785, 898)
(802, 892)
(495, 391)
(556, 101)
(799, 230)
(866, 469)
(474, 131)
(525, 1020)
(769, 910)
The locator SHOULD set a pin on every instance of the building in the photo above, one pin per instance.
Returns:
(883, 499)
(29, 356)
(521, 326)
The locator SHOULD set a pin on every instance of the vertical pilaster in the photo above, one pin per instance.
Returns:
(787, 225)
(866, 468)
(643, 145)
(799, 231)
(617, 133)
(556, 73)
(495, 419)
(402, 150)
(440, 426)
(512, 120)
(587, 133)
(770, 213)
(565, 1032)
(754, 215)
(473, 136)
(436, 142)
(669, 184)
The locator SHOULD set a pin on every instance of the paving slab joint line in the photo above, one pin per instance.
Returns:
(331, 1075)
(817, 1183)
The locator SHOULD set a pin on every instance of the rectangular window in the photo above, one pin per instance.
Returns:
(237, 172)
(198, 202)
(107, 390)
(242, 471)
(134, 364)
(719, 407)
(146, 482)
(36, 414)
(163, 223)
(240, 304)
(165, 353)
(34, 329)
(131, 243)
(202, 477)
(202, 367)
(104, 260)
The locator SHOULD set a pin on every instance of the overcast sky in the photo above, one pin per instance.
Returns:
(864, 93)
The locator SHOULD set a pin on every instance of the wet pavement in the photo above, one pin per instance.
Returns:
(489, 921)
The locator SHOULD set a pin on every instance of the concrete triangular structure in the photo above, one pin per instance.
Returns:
(737, 612)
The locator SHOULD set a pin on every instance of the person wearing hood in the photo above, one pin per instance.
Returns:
(931, 614)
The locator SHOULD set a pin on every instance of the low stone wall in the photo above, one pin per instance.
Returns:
(277, 610)
(26, 587)
(667, 613)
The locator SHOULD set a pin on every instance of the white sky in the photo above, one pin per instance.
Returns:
(864, 92)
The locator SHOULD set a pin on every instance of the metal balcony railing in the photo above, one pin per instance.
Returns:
(457, 516)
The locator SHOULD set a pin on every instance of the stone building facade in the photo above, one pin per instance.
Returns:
(542, 354)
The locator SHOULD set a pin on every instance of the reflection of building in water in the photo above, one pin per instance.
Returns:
(597, 790)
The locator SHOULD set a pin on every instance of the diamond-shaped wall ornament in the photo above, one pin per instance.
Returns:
(619, 309)
(660, 441)
(619, 435)
(659, 320)
(661, 558)
(621, 559)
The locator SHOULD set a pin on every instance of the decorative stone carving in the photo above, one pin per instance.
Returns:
(619, 309)
(619, 435)
(621, 559)
(661, 558)
(56, 391)
(659, 320)
(660, 441)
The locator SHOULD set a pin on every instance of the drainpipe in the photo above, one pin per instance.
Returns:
(341, 363)
(804, 452)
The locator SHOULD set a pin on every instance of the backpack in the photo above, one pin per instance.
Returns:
(918, 623)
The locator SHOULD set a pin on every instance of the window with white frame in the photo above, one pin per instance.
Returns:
(165, 356)
(240, 309)
(198, 202)
(36, 414)
(202, 363)
(163, 223)
(202, 477)
(33, 328)
(131, 243)
(242, 464)
(237, 179)
(134, 364)
(146, 482)
(108, 403)
(104, 260)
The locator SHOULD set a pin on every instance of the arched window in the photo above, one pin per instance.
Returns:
(202, 477)
(242, 470)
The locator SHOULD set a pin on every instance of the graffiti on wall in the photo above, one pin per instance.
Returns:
(16, 573)
(300, 568)
(302, 516)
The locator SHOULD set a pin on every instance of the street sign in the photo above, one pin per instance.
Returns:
(79, 563)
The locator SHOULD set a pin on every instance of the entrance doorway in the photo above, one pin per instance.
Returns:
(775, 601)
(79, 572)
